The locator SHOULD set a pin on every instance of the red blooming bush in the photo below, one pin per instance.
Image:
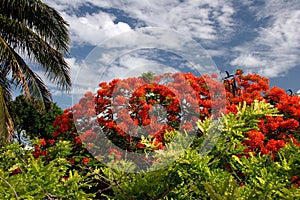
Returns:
(123, 106)
(134, 107)
(140, 114)
(274, 131)
(127, 110)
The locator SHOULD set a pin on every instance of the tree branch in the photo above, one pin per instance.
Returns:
(13, 189)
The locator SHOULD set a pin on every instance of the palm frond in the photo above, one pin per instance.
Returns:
(5, 83)
(9, 63)
(36, 86)
(31, 83)
(38, 16)
(6, 123)
(30, 30)
(51, 60)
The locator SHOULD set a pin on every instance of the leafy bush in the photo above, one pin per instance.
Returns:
(253, 152)
(226, 173)
(24, 177)
(29, 122)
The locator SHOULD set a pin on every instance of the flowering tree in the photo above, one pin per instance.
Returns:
(121, 111)
(143, 114)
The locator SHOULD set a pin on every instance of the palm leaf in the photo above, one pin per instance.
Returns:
(9, 63)
(51, 60)
(37, 16)
(30, 82)
(6, 123)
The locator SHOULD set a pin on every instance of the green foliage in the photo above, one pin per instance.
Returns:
(31, 122)
(247, 117)
(31, 31)
(24, 177)
(225, 173)
(148, 76)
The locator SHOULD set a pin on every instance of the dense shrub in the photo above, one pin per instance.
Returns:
(223, 174)
(261, 130)
(24, 177)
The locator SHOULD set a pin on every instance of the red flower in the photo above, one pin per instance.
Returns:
(63, 128)
(90, 145)
(174, 97)
(72, 160)
(188, 126)
(17, 171)
(242, 184)
(36, 154)
(44, 153)
(88, 94)
(256, 139)
(102, 92)
(117, 154)
(294, 178)
(264, 151)
(64, 178)
(140, 145)
(56, 134)
(291, 124)
(123, 126)
(158, 144)
(85, 161)
(51, 141)
(215, 76)
(275, 145)
(78, 141)
(120, 100)
(36, 147)
(102, 84)
(43, 142)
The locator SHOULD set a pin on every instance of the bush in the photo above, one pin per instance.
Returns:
(24, 177)
(226, 173)
(258, 141)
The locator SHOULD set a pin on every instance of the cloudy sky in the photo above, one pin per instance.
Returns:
(253, 35)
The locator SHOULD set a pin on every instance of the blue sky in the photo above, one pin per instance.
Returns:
(256, 36)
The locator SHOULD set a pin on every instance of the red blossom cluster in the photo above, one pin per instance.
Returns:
(125, 110)
(130, 108)
(39, 152)
(274, 131)
(174, 101)
(295, 181)
(16, 171)
(64, 131)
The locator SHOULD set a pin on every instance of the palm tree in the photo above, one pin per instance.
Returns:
(30, 32)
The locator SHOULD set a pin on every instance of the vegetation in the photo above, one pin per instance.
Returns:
(29, 122)
(253, 153)
(223, 174)
(196, 138)
(31, 34)
(24, 177)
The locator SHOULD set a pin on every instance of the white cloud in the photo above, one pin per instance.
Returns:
(82, 76)
(94, 28)
(194, 18)
(65, 4)
(133, 66)
(247, 60)
(276, 49)
(206, 20)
